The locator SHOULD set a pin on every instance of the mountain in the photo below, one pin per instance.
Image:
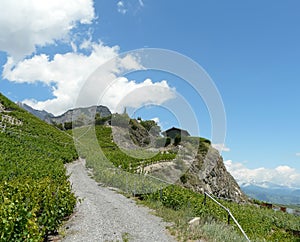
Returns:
(273, 193)
(85, 114)
(43, 115)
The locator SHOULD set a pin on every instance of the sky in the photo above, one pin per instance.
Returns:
(249, 50)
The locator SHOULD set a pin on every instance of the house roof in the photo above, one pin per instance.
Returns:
(185, 132)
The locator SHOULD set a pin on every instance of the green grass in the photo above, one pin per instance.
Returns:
(260, 224)
(208, 228)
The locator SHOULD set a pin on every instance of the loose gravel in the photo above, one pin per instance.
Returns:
(105, 215)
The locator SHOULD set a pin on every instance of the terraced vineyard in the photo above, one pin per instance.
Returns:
(35, 195)
(179, 205)
(115, 168)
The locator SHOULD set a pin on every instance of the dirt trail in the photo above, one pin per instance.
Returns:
(105, 215)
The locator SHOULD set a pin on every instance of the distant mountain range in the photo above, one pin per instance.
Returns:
(43, 115)
(87, 113)
(272, 193)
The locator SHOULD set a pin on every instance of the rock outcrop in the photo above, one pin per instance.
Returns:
(202, 172)
(208, 173)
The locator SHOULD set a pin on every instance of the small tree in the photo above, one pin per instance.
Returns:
(177, 140)
(168, 141)
(68, 125)
(151, 125)
(162, 142)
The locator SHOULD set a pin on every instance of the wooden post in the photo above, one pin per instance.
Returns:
(160, 194)
(228, 220)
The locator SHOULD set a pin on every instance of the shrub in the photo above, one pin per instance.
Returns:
(162, 142)
(177, 140)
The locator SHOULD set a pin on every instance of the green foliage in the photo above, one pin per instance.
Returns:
(184, 178)
(35, 195)
(168, 141)
(259, 223)
(204, 140)
(101, 120)
(68, 125)
(133, 124)
(112, 166)
(151, 125)
(162, 142)
(119, 158)
(177, 140)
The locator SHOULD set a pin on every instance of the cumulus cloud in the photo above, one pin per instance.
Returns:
(27, 24)
(67, 73)
(124, 93)
(221, 147)
(281, 175)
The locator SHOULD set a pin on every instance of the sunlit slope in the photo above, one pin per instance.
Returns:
(34, 192)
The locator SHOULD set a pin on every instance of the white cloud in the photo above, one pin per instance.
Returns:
(67, 74)
(221, 147)
(281, 175)
(24, 25)
(298, 154)
(124, 93)
(27, 24)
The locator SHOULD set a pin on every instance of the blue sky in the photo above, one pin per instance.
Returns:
(249, 49)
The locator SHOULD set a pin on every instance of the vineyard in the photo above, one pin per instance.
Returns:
(35, 195)
(260, 224)
(179, 205)
(116, 168)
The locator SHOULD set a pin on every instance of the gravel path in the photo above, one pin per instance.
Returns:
(105, 215)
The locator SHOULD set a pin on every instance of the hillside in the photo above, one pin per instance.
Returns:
(35, 194)
(171, 163)
(175, 203)
(144, 166)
